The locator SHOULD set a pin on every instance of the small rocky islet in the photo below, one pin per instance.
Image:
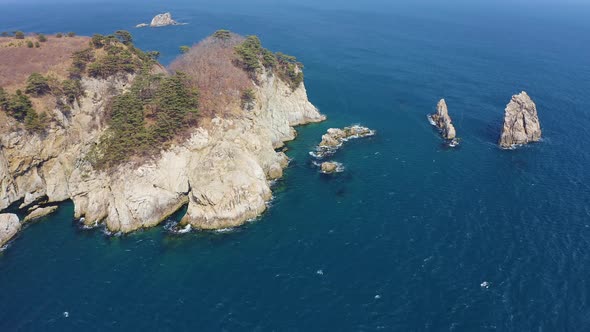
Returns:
(332, 140)
(160, 20)
(521, 123)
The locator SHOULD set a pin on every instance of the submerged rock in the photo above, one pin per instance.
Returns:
(333, 139)
(442, 121)
(9, 226)
(521, 122)
(329, 167)
(40, 212)
(162, 20)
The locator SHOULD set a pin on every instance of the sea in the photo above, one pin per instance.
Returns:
(411, 236)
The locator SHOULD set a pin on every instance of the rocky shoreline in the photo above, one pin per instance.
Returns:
(221, 172)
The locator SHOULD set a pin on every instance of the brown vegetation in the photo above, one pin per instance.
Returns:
(210, 67)
(18, 61)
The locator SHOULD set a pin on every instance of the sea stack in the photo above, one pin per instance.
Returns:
(442, 120)
(521, 122)
(162, 20)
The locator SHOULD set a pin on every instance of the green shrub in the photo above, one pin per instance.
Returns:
(72, 90)
(124, 36)
(59, 35)
(184, 49)
(249, 52)
(248, 98)
(222, 34)
(17, 105)
(169, 102)
(37, 85)
(19, 35)
(37, 45)
(153, 55)
(5, 34)
(80, 60)
(71, 34)
(30, 44)
(252, 56)
(4, 98)
(117, 60)
(36, 122)
(97, 41)
(42, 38)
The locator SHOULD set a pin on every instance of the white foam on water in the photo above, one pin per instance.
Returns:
(184, 230)
(430, 120)
(225, 230)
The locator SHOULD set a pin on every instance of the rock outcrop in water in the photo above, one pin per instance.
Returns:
(329, 167)
(333, 139)
(9, 226)
(160, 20)
(38, 212)
(442, 121)
(521, 122)
(331, 142)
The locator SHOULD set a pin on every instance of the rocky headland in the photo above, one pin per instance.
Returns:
(220, 164)
(442, 121)
(521, 122)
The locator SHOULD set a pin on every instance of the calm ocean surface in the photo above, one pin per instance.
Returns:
(404, 237)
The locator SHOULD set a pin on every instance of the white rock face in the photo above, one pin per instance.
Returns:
(442, 120)
(40, 212)
(162, 20)
(222, 172)
(521, 122)
(9, 226)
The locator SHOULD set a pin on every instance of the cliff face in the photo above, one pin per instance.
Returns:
(442, 120)
(521, 122)
(222, 171)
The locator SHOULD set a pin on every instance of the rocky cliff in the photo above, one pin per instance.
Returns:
(442, 120)
(521, 122)
(222, 170)
(9, 226)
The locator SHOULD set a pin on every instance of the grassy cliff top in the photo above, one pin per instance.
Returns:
(53, 56)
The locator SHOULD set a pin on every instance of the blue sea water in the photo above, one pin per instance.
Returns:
(400, 241)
